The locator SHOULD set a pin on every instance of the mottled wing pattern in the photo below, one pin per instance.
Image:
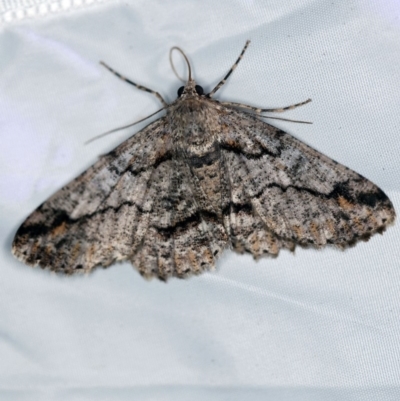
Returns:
(136, 203)
(91, 221)
(182, 237)
(171, 207)
(204, 177)
(284, 193)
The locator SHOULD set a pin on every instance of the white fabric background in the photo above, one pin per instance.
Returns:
(314, 325)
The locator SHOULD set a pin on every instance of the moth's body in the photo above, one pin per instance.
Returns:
(202, 178)
(193, 121)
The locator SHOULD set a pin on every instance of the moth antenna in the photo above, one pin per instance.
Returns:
(141, 87)
(231, 70)
(125, 126)
(187, 62)
(287, 119)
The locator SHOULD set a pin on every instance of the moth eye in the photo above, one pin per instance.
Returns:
(180, 91)
(199, 89)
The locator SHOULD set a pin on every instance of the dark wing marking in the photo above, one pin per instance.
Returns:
(136, 203)
(183, 237)
(94, 219)
(300, 195)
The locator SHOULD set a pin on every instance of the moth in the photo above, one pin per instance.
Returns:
(206, 176)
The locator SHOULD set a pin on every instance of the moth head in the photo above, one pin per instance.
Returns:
(190, 89)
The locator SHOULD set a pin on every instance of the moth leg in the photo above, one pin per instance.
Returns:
(230, 71)
(143, 88)
(259, 110)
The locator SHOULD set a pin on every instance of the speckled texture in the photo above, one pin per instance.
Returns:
(204, 177)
